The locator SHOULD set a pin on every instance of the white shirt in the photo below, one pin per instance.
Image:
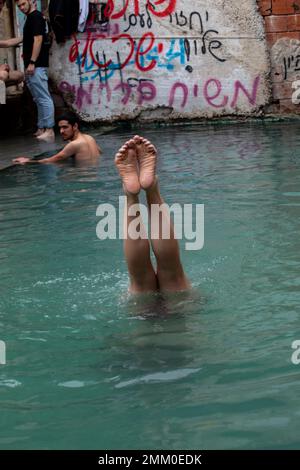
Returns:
(83, 14)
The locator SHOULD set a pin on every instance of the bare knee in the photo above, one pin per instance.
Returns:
(16, 76)
(3, 75)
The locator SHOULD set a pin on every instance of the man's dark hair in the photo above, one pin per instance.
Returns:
(71, 118)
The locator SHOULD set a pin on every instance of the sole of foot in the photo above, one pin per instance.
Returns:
(147, 158)
(126, 163)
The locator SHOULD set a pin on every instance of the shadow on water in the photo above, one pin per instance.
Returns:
(158, 347)
(163, 305)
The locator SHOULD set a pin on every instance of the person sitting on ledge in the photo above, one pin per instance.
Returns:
(7, 75)
(81, 147)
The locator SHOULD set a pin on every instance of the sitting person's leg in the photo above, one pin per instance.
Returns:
(14, 78)
(137, 251)
(170, 273)
(10, 77)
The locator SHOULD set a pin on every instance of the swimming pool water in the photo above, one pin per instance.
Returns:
(88, 369)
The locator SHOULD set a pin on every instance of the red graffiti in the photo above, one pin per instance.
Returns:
(167, 11)
(74, 50)
(110, 8)
(168, 7)
(140, 52)
(88, 51)
(105, 65)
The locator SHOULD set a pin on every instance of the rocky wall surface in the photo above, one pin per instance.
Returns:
(165, 60)
(282, 26)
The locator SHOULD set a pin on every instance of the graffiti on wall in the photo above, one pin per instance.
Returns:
(151, 53)
(291, 64)
(145, 91)
(102, 55)
(159, 8)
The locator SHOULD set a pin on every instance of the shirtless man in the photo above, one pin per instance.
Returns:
(82, 147)
(136, 163)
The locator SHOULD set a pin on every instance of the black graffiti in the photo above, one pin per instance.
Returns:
(208, 42)
(143, 20)
(203, 46)
(182, 20)
(135, 82)
(291, 63)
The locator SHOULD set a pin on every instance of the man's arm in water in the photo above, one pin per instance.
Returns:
(68, 151)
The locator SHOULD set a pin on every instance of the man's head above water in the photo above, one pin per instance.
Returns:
(68, 124)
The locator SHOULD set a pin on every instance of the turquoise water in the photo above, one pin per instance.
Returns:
(88, 369)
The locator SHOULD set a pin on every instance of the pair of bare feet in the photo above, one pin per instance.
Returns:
(136, 163)
(45, 135)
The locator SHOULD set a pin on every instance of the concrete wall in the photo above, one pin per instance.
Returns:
(6, 31)
(204, 59)
(282, 24)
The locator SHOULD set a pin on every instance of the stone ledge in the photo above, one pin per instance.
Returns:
(2, 92)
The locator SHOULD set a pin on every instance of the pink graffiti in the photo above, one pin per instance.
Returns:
(78, 95)
(125, 88)
(104, 86)
(146, 92)
(251, 97)
(210, 98)
(84, 95)
(185, 91)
